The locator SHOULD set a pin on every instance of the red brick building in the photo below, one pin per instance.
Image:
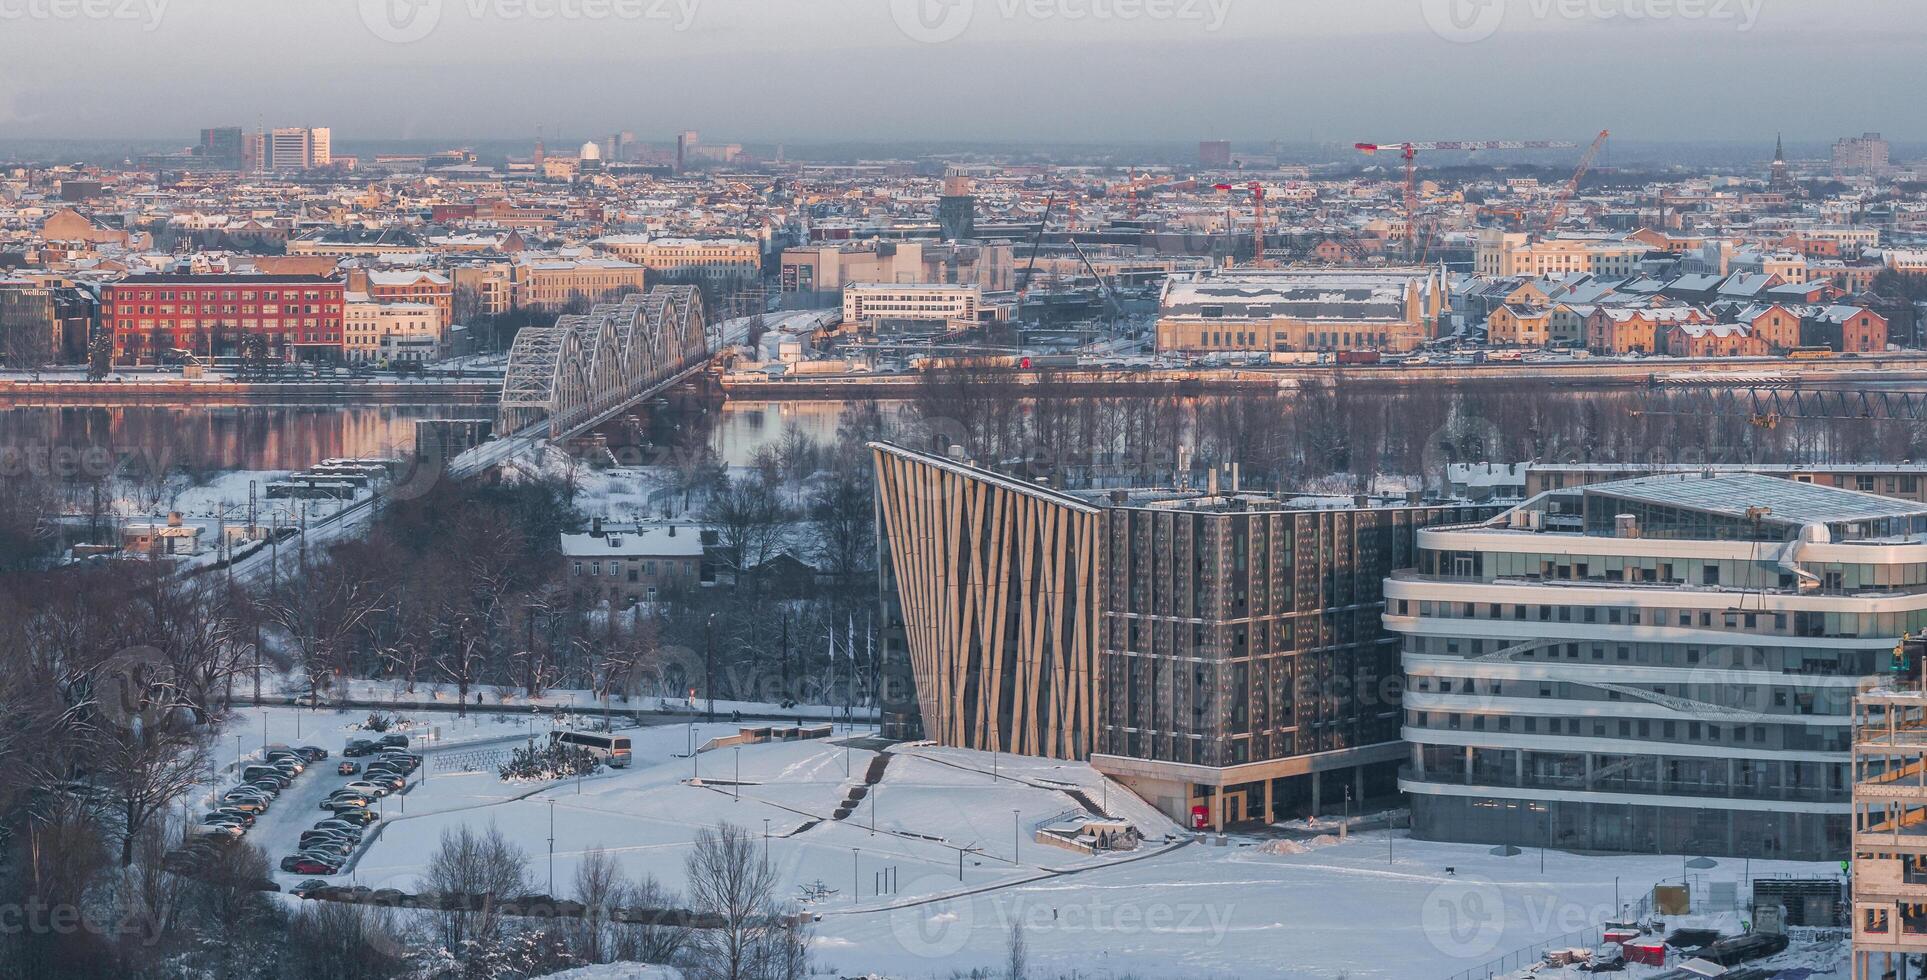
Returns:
(301, 316)
(1848, 329)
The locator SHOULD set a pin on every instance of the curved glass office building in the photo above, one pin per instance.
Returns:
(1662, 665)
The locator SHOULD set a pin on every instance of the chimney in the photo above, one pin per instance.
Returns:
(672, 530)
(1235, 478)
(1211, 482)
(595, 527)
(173, 518)
(1120, 497)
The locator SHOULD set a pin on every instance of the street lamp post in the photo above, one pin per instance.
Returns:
(1015, 835)
(709, 669)
(856, 882)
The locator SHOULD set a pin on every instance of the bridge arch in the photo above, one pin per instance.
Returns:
(585, 367)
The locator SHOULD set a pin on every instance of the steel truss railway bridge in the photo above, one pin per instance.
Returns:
(565, 379)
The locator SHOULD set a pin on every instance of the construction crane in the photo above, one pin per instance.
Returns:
(1558, 211)
(1036, 243)
(1257, 192)
(1409, 151)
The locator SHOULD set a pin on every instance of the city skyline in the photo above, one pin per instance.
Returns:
(990, 70)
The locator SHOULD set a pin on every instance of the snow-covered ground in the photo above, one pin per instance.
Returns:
(1375, 905)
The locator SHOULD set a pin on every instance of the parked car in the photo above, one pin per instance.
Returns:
(358, 815)
(314, 753)
(372, 790)
(302, 865)
(347, 769)
(215, 830)
(262, 771)
(359, 747)
(338, 823)
(328, 848)
(393, 741)
(306, 888)
(389, 781)
(239, 816)
(309, 837)
(245, 802)
(339, 804)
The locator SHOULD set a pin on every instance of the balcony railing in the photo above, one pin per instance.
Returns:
(1506, 779)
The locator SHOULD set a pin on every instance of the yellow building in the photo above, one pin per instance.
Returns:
(1504, 254)
(708, 258)
(1520, 326)
(1281, 310)
(556, 282)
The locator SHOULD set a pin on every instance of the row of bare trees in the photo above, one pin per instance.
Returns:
(1325, 434)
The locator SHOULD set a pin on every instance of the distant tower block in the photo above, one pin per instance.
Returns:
(957, 210)
(1215, 154)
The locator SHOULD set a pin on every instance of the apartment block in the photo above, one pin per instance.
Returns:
(1661, 665)
(150, 315)
(1219, 652)
(715, 259)
(1889, 826)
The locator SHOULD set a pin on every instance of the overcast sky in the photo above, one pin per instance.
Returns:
(1058, 70)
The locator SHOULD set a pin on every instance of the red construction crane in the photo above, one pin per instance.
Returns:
(1558, 211)
(1410, 151)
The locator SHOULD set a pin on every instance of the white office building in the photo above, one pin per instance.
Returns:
(1664, 664)
(911, 308)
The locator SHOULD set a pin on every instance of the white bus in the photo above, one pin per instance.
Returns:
(611, 749)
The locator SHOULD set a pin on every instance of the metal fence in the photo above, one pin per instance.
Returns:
(1704, 898)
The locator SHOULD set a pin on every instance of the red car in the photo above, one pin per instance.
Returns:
(347, 769)
(310, 866)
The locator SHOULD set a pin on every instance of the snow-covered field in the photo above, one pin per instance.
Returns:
(1371, 906)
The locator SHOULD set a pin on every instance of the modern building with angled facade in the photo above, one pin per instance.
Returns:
(1664, 664)
(1221, 653)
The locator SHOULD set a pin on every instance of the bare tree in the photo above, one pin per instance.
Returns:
(344, 941)
(474, 871)
(1015, 954)
(728, 877)
(648, 943)
(598, 886)
(750, 520)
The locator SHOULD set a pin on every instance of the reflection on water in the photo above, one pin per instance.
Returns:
(204, 439)
(740, 429)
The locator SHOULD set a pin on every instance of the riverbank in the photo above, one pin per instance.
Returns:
(1599, 373)
(17, 393)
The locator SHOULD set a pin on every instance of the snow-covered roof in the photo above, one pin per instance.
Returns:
(636, 541)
